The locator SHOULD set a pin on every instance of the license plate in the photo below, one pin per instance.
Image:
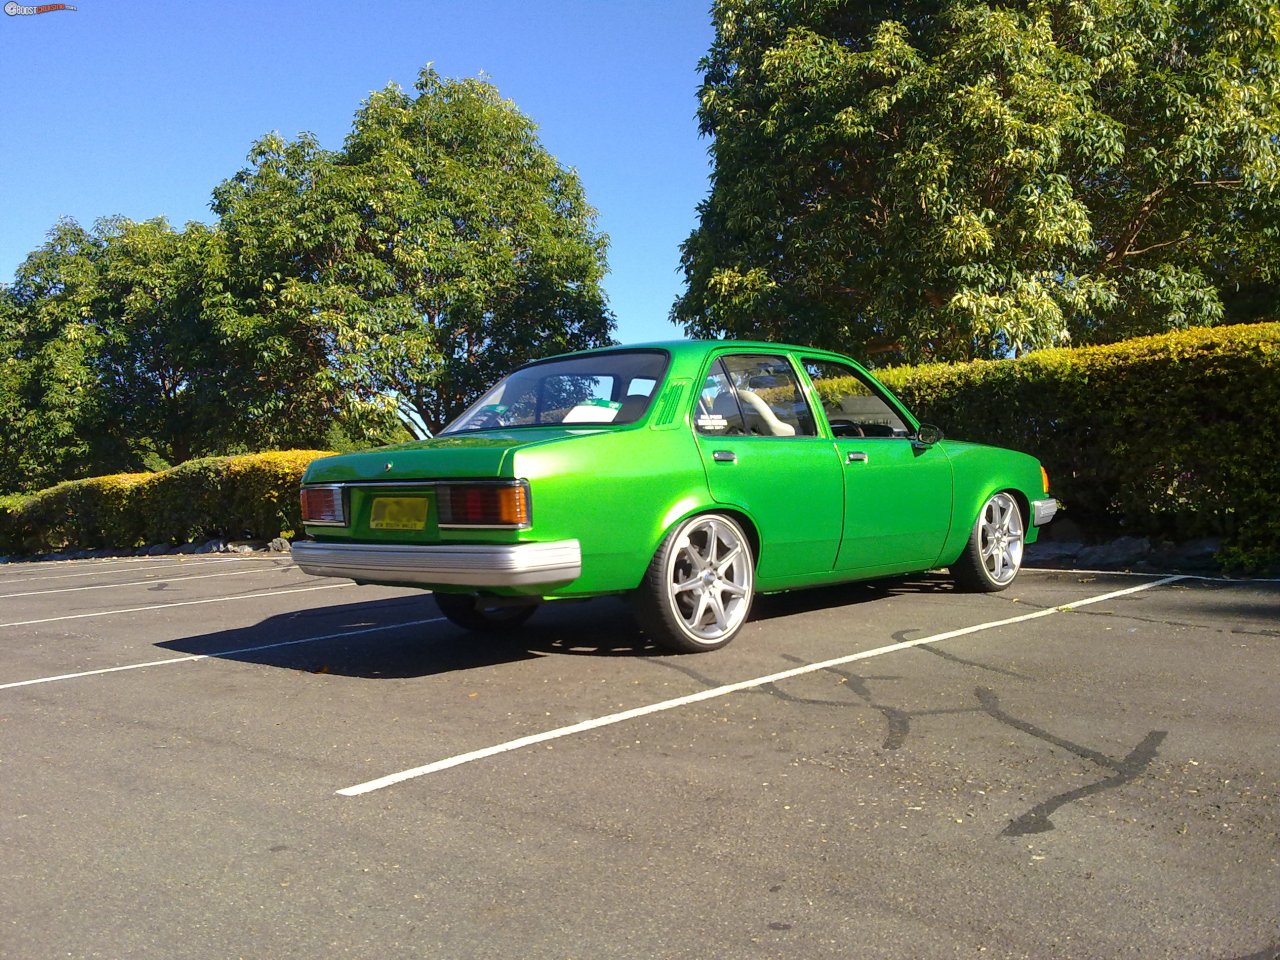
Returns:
(398, 513)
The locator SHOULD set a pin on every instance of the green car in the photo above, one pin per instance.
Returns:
(689, 476)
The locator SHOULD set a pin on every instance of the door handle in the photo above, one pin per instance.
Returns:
(856, 456)
(724, 456)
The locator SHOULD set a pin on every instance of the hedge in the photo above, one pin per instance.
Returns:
(251, 497)
(1173, 436)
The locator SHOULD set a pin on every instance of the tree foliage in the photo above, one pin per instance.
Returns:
(964, 179)
(401, 274)
(46, 384)
(440, 247)
(109, 363)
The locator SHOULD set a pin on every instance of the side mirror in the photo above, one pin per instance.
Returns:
(928, 434)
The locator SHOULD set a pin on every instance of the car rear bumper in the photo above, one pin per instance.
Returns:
(468, 565)
(1042, 511)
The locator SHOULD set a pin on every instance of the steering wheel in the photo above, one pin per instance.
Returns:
(846, 428)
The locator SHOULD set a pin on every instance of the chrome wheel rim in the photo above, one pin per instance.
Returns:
(709, 578)
(1000, 538)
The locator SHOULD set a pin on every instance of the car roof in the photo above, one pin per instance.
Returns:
(698, 348)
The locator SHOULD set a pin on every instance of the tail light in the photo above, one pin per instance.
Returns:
(1044, 477)
(483, 504)
(323, 505)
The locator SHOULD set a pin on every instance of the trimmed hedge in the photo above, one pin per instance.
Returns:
(251, 497)
(87, 513)
(1174, 436)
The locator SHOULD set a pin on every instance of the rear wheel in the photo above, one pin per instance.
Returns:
(697, 592)
(472, 612)
(993, 555)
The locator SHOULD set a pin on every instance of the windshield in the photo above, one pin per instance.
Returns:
(592, 388)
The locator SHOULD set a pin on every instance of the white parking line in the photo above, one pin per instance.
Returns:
(1205, 578)
(177, 603)
(222, 655)
(137, 583)
(584, 726)
(150, 562)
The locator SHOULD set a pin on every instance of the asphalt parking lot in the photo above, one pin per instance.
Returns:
(217, 757)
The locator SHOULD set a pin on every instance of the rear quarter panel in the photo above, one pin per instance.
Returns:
(617, 493)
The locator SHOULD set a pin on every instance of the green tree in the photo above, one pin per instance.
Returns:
(440, 247)
(106, 362)
(47, 383)
(160, 370)
(957, 180)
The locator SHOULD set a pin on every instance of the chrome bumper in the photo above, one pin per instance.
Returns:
(1042, 511)
(469, 565)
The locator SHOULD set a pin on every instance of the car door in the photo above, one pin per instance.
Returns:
(897, 491)
(762, 453)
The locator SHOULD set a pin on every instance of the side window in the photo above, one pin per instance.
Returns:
(853, 409)
(754, 395)
(718, 412)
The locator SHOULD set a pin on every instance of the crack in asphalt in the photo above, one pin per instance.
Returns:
(1266, 953)
(904, 635)
(898, 727)
(1153, 621)
(1036, 820)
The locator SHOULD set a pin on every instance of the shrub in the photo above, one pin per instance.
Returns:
(13, 530)
(88, 513)
(253, 496)
(264, 490)
(1170, 436)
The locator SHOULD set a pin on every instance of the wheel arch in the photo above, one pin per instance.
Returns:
(1020, 498)
(964, 517)
(741, 517)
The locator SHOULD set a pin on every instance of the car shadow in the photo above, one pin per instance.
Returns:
(847, 594)
(407, 637)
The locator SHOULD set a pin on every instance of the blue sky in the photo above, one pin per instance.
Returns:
(141, 108)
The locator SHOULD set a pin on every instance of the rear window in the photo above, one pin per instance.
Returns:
(596, 388)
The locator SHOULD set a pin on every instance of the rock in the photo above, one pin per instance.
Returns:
(185, 548)
(1052, 551)
(1117, 553)
(279, 545)
(158, 550)
(1203, 549)
(216, 545)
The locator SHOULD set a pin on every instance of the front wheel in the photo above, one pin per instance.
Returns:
(697, 592)
(993, 555)
(472, 612)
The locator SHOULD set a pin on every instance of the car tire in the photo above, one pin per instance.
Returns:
(697, 593)
(993, 556)
(471, 612)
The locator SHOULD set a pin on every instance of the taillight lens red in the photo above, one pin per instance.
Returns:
(483, 505)
(323, 504)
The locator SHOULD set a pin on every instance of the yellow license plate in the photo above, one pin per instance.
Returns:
(398, 513)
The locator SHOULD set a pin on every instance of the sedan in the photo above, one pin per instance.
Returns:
(688, 476)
